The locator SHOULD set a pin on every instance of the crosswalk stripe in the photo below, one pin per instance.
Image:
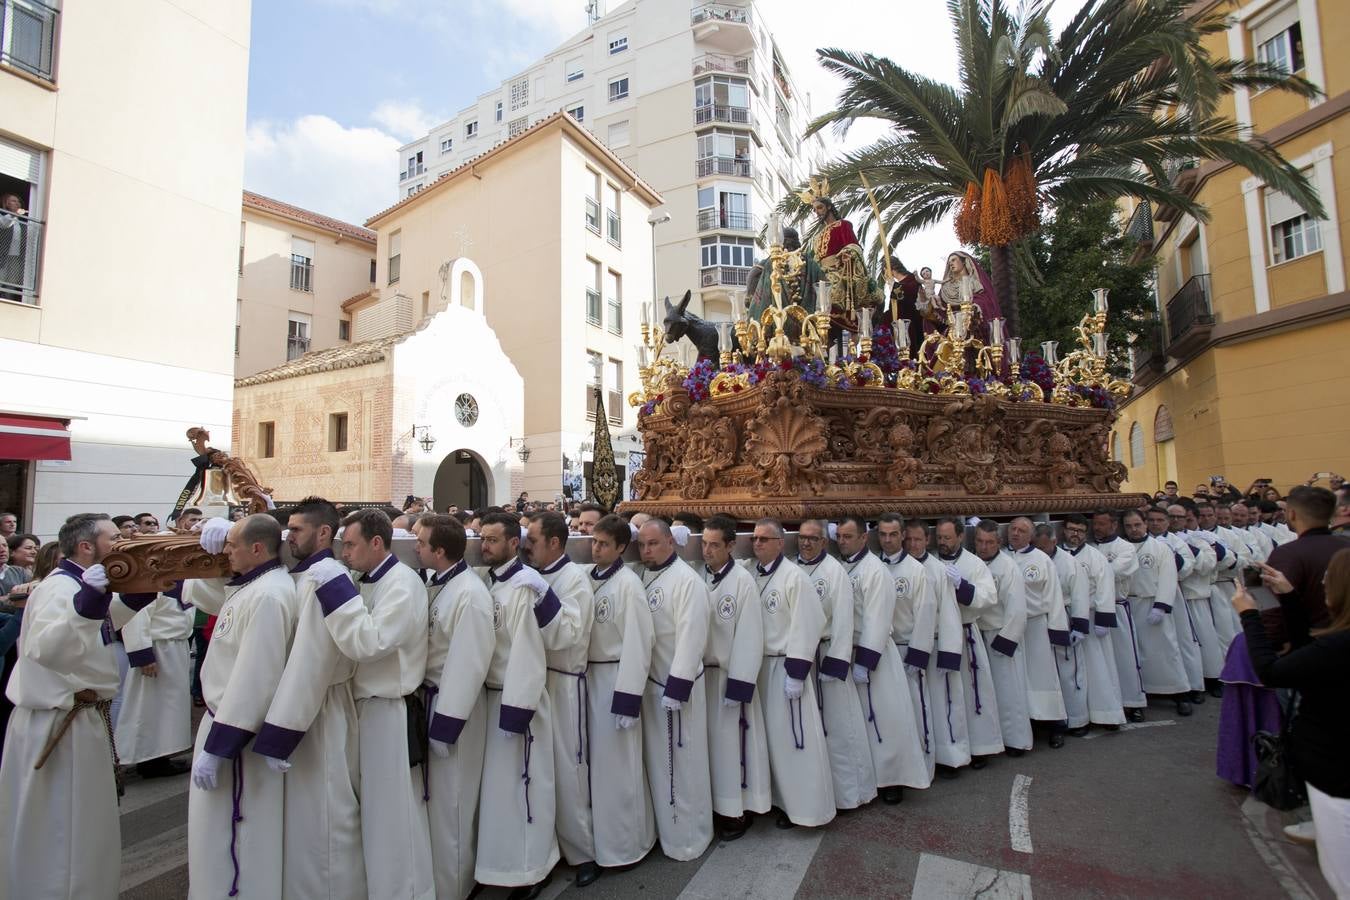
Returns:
(1129, 726)
(154, 856)
(764, 865)
(1019, 814)
(940, 878)
(141, 794)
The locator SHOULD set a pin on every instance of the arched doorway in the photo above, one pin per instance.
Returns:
(461, 479)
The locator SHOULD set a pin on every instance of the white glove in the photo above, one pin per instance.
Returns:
(826, 676)
(204, 769)
(271, 504)
(324, 571)
(213, 534)
(680, 533)
(623, 723)
(912, 670)
(860, 674)
(1075, 637)
(671, 704)
(280, 766)
(953, 574)
(1100, 631)
(792, 687)
(728, 702)
(1155, 616)
(534, 581)
(96, 577)
(439, 748)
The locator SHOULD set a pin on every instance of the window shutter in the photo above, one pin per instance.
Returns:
(1280, 207)
(19, 162)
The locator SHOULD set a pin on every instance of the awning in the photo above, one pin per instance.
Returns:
(33, 437)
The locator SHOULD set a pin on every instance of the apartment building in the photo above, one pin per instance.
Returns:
(698, 100)
(1244, 375)
(122, 148)
(296, 270)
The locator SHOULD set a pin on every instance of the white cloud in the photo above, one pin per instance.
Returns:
(321, 165)
(405, 119)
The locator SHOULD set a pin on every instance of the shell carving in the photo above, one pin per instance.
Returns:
(785, 442)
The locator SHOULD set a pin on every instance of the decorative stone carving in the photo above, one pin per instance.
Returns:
(785, 438)
(153, 562)
(710, 447)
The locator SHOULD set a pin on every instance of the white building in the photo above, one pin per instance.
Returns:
(122, 135)
(697, 101)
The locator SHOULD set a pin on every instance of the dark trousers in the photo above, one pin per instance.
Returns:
(199, 643)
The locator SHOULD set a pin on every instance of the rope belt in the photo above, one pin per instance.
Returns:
(1134, 641)
(431, 691)
(974, 667)
(947, 678)
(583, 723)
(85, 699)
(236, 816)
(820, 695)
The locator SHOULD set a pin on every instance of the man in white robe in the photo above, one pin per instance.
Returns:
(1248, 521)
(674, 717)
(1230, 558)
(1002, 627)
(62, 836)
(236, 806)
(620, 658)
(841, 717)
(156, 717)
(883, 688)
(382, 626)
(1077, 601)
(1195, 586)
(1047, 628)
(1152, 591)
(738, 752)
(1159, 521)
(310, 732)
(546, 551)
(459, 651)
(1120, 557)
(1096, 649)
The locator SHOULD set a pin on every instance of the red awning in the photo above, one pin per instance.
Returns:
(33, 437)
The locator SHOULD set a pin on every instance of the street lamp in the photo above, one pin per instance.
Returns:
(426, 440)
(656, 218)
(522, 450)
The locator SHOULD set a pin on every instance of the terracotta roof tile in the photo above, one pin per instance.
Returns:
(354, 299)
(347, 356)
(317, 220)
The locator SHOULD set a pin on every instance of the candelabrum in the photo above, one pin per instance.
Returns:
(1086, 367)
(654, 367)
(857, 368)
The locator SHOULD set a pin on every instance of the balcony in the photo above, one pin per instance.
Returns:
(723, 165)
(20, 245)
(1183, 175)
(1147, 358)
(723, 27)
(732, 115)
(717, 62)
(723, 220)
(1189, 318)
(28, 36)
(727, 276)
(783, 122)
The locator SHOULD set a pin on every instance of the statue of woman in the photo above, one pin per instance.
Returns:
(966, 282)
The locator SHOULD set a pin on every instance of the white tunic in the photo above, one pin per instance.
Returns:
(1230, 556)
(841, 718)
(383, 628)
(1069, 658)
(156, 716)
(675, 742)
(893, 741)
(1195, 587)
(1103, 681)
(62, 837)
(1047, 627)
(1003, 627)
(974, 594)
(798, 758)
(620, 658)
(738, 751)
(1120, 557)
(1153, 586)
(235, 836)
(946, 690)
(914, 632)
(1188, 641)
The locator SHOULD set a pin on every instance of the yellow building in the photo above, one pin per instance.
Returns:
(1244, 376)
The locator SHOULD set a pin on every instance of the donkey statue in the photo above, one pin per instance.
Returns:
(679, 323)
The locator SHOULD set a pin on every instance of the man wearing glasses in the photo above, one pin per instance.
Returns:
(147, 523)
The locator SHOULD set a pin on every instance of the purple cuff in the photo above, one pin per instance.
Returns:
(965, 593)
(629, 705)
(446, 729)
(744, 691)
(949, 661)
(797, 668)
(515, 719)
(1165, 607)
(1105, 619)
(1078, 625)
(1059, 638)
(1180, 561)
(1219, 552)
(547, 608)
(834, 667)
(225, 740)
(1003, 645)
(277, 742)
(917, 658)
(678, 688)
(334, 594)
(173, 593)
(139, 602)
(866, 658)
(140, 658)
(92, 603)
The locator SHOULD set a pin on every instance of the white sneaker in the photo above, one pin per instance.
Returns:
(1302, 833)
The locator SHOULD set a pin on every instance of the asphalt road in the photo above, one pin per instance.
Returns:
(1136, 813)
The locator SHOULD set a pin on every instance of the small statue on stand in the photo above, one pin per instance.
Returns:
(680, 323)
(840, 258)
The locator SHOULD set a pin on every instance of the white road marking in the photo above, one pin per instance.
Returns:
(1253, 811)
(1019, 814)
(766, 863)
(1129, 726)
(940, 878)
(153, 857)
(141, 794)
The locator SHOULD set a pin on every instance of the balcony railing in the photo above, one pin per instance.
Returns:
(716, 112)
(593, 307)
(302, 276)
(733, 276)
(28, 36)
(723, 165)
(395, 264)
(615, 315)
(20, 244)
(1147, 355)
(714, 219)
(717, 62)
(593, 215)
(1189, 317)
(296, 347)
(718, 12)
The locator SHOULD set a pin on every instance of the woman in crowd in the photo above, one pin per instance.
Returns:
(11, 619)
(1320, 732)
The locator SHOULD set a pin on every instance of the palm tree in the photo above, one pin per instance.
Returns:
(1106, 109)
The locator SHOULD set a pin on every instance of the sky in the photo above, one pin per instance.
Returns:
(336, 86)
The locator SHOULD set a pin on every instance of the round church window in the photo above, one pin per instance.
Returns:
(466, 409)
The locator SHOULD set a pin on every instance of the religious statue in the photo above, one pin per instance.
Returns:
(837, 252)
(965, 282)
(801, 289)
(680, 323)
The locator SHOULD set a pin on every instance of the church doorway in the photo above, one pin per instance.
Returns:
(461, 479)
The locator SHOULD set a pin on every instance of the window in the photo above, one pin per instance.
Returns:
(618, 88)
(497, 116)
(578, 112)
(1136, 445)
(724, 209)
(413, 188)
(21, 173)
(516, 126)
(372, 271)
(241, 250)
(1293, 233)
(337, 432)
(1279, 40)
(575, 69)
(614, 371)
(238, 312)
(520, 94)
(447, 144)
(267, 436)
(615, 302)
(593, 294)
(297, 335)
(739, 252)
(724, 94)
(723, 153)
(617, 43)
(344, 329)
(395, 255)
(302, 265)
(415, 166)
(593, 200)
(1115, 446)
(28, 36)
(618, 134)
(471, 129)
(596, 362)
(613, 231)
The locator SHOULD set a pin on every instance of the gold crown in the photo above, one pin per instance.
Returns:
(818, 188)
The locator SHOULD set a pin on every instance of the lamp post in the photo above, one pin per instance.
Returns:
(656, 218)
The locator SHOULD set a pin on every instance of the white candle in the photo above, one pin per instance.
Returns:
(646, 316)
